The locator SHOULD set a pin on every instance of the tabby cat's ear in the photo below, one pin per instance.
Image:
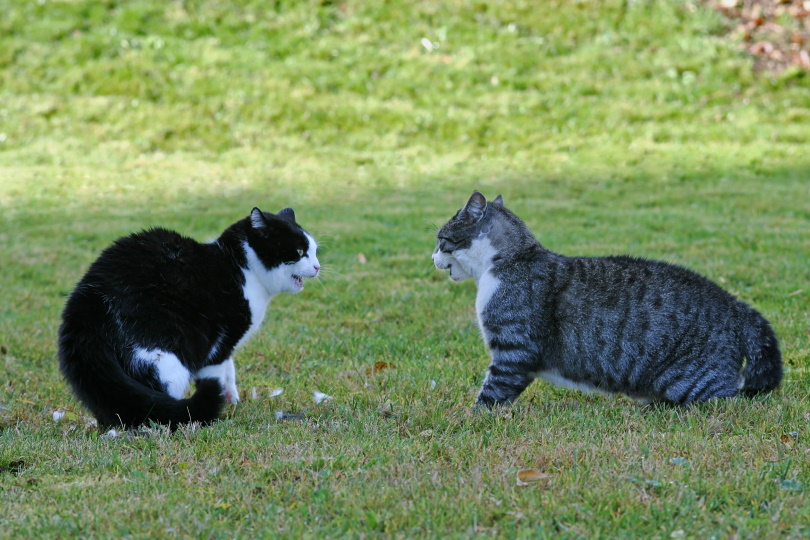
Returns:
(498, 200)
(476, 206)
(287, 214)
(257, 219)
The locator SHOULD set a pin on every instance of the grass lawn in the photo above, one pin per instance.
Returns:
(609, 127)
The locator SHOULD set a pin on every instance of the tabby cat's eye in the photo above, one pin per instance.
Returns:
(300, 252)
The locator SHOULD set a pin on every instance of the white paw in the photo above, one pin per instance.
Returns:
(232, 396)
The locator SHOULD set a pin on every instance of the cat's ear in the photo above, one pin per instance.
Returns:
(288, 214)
(476, 206)
(498, 200)
(257, 219)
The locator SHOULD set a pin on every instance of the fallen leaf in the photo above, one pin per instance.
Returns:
(276, 392)
(379, 366)
(58, 415)
(761, 47)
(361, 258)
(527, 476)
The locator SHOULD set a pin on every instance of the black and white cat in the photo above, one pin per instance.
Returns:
(157, 310)
(654, 331)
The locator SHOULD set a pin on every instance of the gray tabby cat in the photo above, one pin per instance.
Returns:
(653, 331)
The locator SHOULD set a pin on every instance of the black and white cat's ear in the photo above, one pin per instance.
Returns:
(498, 200)
(257, 219)
(288, 214)
(476, 206)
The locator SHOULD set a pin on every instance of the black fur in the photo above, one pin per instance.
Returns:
(159, 290)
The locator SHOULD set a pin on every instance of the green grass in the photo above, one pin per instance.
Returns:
(615, 127)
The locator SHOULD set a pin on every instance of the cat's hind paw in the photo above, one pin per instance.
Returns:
(231, 396)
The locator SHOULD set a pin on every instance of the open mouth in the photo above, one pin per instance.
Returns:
(298, 281)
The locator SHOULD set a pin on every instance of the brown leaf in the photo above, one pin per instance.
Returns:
(379, 366)
(527, 476)
(361, 258)
(761, 47)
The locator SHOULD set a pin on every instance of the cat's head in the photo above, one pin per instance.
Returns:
(463, 245)
(287, 253)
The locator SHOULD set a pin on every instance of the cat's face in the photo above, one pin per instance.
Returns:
(286, 251)
(306, 266)
(462, 244)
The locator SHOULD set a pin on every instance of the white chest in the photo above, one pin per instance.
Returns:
(258, 299)
(487, 285)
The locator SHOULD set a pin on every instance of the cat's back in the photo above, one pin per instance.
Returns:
(155, 261)
(618, 277)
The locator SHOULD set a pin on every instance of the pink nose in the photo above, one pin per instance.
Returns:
(317, 268)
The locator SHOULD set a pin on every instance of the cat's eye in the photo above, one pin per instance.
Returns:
(300, 252)
(446, 245)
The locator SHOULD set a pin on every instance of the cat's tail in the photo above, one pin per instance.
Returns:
(763, 367)
(118, 400)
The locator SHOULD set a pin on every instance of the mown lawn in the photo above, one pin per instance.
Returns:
(610, 127)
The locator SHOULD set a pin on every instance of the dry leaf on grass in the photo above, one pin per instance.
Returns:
(528, 476)
(379, 366)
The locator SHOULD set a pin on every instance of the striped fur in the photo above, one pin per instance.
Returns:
(650, 330)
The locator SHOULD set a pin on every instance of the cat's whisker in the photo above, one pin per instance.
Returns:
(431, 227)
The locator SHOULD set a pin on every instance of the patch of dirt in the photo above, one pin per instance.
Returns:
(775, 32)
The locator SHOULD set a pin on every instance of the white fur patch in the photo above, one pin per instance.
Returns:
(215, 348)
(476, 259)
(487, 285)
(256, 290)
(225, 373)
(554, 377)
(171, 372)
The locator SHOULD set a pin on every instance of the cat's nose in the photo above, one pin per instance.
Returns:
(317, 268)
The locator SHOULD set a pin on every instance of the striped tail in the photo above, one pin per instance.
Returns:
(763, 368)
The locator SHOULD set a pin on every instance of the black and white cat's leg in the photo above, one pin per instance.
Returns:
(225, 372)
(507, 377)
